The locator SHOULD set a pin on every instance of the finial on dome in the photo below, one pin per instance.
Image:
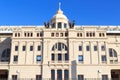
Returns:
(59, 5)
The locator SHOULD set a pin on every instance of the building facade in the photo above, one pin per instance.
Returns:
(59, 50)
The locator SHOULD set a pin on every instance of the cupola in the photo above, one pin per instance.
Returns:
(59, 21)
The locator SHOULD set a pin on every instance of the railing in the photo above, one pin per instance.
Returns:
(62, 79)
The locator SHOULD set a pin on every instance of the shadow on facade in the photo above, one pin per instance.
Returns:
(73, 69)
(5, 48)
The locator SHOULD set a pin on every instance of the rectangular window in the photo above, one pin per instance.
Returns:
(52, 34)
(53, 57)
(59, 57)
(80, 77)
(66, 57)
(80, 58)
(39, 48)
(31, 48)
(59, 74)
(38, 58)
(65, 25)
(16, 48)
(61, 34)
(53, 25)
(110, 53)
(59, 25)
(15, 58)
(14, 77)
(95, 48)
(24, 48)
(80, 48)
(37, 34)
(38, 77)
(87, 48)
(52, 74)
(103, 58)
(66, 34)
(104, 77)
(41, 34)
(66, 75)
(102, 48)
(59, 46)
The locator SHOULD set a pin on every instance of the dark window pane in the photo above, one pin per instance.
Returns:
(115, 53)
(66, 48)
(38, 77)
(80, 77)
(15, 58)
(110, 53)
(95, 48)
(105, 77)
(24, 48)
(41, 34)
(53, 48)
(52, 74)
(14, 77)
(37, 34)
(66, 34)
(103, 48)
(31, 48)
(59, 46)
(66, 57)
(59, 25)
(59, 74)
(16, 48)
(53, 25)
(53, 57)
(80, 48)
(103, 58)
(6, 53)
(39, 48)
(59, 57)
(66, 75)
(52, 34)
(65, 25)
(87, 48)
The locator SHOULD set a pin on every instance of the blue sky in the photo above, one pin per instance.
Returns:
(84, 12)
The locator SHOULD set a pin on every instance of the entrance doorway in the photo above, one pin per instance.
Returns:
(4, 74)
(115, 74)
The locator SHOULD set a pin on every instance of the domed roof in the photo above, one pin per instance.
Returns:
(59, 15)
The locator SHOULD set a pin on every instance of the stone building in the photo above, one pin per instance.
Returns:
(59, 50)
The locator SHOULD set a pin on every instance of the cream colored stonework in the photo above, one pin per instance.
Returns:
(92, 65)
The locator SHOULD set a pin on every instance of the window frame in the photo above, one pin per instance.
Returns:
(80, 58)
(31, 48)
(59, 24)
(16, 47)
(38, 58)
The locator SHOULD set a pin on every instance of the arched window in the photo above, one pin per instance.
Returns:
(113, 55)
(112, 52)
(5, 54)
(59, 52)
(59, 46)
